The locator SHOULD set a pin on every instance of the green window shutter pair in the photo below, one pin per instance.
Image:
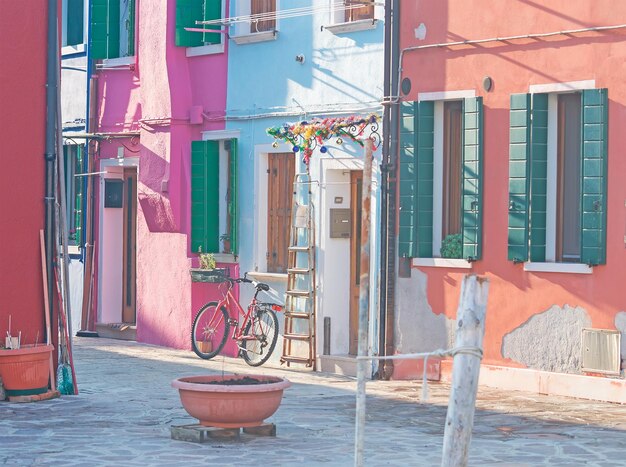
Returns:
(416, 178)
(528, 183)
(105, 29)
(190, 11)
(205, 202)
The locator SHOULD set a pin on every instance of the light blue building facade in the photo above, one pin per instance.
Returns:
(318, 59)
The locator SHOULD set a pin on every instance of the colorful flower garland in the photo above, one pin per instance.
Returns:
(306, 136)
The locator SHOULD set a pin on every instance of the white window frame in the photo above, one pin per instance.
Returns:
(439, 98)
(242, 33)
(76, 48)
(338, 25)
(553, 90)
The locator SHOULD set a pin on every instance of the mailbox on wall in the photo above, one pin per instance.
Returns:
(113, 193)
(340, 223)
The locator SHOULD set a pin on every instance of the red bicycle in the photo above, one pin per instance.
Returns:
(256, 334)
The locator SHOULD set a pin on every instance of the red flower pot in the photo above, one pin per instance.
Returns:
(25, 371)
(230, 405)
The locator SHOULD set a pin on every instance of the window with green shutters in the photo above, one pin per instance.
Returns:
(74, 166)
(440, 170)
(214, 196)
(112, 28)
(557, 177)
(190, 11)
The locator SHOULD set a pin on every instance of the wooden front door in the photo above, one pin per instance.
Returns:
(280, 173)
(356, 196)
(130, 238)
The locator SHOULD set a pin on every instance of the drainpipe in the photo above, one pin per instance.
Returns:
(51, 150)
(384, 173)
(390, 285)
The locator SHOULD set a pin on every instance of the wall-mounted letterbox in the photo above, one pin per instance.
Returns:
(113, 193)
(340, 223)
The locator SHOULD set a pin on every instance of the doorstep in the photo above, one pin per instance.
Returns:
(338, 364)
(122, 331)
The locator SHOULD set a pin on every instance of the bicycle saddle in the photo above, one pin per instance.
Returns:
(262, 286)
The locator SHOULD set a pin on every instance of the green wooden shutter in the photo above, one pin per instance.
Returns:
(131, 29)
(538, 177)
(205, 196)
(113, 30)
(99, 28)
(472, 197)
(187, 13)
(407, 241)
(233, 199)
(212, 10)
(74, 14)
(594, 174)
(424, 169)
(519, 177)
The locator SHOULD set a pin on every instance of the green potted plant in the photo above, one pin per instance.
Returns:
(208, 270)
(225, 239)
(452, 246)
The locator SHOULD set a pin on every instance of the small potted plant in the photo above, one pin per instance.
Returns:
(225, 239)
(452, 246)
(208, 270)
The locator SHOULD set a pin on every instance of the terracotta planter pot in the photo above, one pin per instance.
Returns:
(230, 406)
(25, 371)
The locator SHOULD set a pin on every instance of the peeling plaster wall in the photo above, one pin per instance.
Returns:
(418, 329)
(549, 341)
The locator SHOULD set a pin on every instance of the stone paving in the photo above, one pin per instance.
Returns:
(126, 405)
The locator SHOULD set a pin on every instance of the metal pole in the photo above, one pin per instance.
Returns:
(364, 299)
(465, 370)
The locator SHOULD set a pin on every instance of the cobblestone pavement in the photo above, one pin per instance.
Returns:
(126, 405)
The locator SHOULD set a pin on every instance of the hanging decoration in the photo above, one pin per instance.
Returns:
(305, 136)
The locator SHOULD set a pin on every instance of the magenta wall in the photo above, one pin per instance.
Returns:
(515, 295)
(22, 178)
(155, 98)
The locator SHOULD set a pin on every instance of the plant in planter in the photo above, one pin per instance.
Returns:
(207, 272)
(225, 239)
(452, 246)
(231, 401)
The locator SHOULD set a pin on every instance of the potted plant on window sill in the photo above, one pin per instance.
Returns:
(208, 272)
(452, 246)
(225, 239)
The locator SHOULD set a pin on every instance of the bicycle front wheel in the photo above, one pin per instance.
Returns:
(209, 331)
(260, 337)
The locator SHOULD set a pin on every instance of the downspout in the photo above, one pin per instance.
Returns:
(390, 286)
(384, 174)
(52, 84)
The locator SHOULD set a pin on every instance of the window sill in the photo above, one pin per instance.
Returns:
(255, 37)
(568, 268)
(72, 49)
(268, 276)
(210, 49)
(225, 258)
(442, 263)
(352, 26)
(120, 61)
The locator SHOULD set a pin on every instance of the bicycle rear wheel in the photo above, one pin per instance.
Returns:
(209, 331)
(264, 329)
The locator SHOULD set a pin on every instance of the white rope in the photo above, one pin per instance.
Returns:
(466, 350)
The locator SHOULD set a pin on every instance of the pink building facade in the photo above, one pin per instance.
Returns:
(539, 156)
(154, 99)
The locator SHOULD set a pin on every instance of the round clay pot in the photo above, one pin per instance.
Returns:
(25, 371)
(230, 406)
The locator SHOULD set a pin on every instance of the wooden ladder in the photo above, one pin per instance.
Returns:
(299, 335)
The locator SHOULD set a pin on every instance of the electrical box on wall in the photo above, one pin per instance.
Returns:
(340, 223)
(113, 193)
